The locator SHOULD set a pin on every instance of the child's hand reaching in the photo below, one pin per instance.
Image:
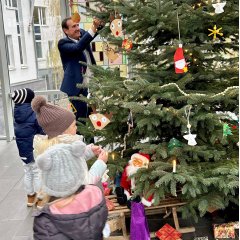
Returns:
(103, 156)
(96, 150)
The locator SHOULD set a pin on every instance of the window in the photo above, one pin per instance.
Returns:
(21, 43)
(38, 41)
(20, 49)
(39, 49)
(36, 16)
(39, 17)
(10, 54)
(11, 3)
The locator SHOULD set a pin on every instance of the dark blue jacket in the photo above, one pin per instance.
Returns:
(71, 54)
(25, 127)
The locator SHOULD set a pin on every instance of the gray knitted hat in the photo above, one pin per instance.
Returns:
(62, 170)
(53, 119)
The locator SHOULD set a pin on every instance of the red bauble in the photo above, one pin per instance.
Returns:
(127, 44)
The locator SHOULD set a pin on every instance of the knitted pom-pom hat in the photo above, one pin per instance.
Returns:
(53, 119)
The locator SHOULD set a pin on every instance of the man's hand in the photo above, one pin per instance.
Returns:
(97, 24)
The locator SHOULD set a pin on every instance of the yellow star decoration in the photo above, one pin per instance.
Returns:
(215, 31)
(71, 107)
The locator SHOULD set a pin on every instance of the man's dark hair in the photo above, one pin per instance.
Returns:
(64, 22)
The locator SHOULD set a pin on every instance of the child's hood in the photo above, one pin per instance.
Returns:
(42, 143)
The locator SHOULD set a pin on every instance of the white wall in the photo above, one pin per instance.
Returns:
(20, 73)
(51, 32)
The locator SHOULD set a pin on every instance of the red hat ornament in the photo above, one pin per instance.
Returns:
(179, 61)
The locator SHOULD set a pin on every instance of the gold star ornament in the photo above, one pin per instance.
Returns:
(215, 31)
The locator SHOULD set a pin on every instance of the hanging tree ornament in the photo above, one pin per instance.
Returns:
(127, 45)
(130, 126)
(174, 143)
(130, 121)
(215, 31)
(226, 130)
(70, 3)
(219, 7)
(99, 120)
(190, 137)
(76, 17)
(112, 54)
(179, 61)
(116, 25)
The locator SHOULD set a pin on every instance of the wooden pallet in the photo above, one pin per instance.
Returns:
(120, 212)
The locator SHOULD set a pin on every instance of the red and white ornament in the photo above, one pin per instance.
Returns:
(179, 61)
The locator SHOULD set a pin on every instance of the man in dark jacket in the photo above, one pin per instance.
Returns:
(25, 128)
(74, 49)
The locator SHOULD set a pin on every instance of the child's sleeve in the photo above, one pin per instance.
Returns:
(39, 130)
(82, 150)
(96, 171)
(89, 154)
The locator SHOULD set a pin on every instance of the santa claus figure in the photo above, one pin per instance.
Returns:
(138, 160)
(179, 61)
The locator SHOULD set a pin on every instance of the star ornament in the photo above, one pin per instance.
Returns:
(215, 31)
(219, 7)
(191, 139)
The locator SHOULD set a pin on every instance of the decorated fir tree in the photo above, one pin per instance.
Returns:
(183, 77)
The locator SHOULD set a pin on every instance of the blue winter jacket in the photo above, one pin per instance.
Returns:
(25, 127)
(71, 55)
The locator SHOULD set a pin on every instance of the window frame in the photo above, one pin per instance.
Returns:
(42, 22)
(21, 44)
(9, 4)
(10, 52)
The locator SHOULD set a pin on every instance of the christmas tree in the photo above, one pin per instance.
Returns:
(183, 82)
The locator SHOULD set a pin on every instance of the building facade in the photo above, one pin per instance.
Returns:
(32, 29)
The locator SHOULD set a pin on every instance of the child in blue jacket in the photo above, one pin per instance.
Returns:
(25, 128)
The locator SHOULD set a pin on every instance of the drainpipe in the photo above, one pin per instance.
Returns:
(5, 82)
(64, 9)
(31, 27)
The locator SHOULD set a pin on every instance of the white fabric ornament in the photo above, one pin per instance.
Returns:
(219, 7)
(190, 137)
